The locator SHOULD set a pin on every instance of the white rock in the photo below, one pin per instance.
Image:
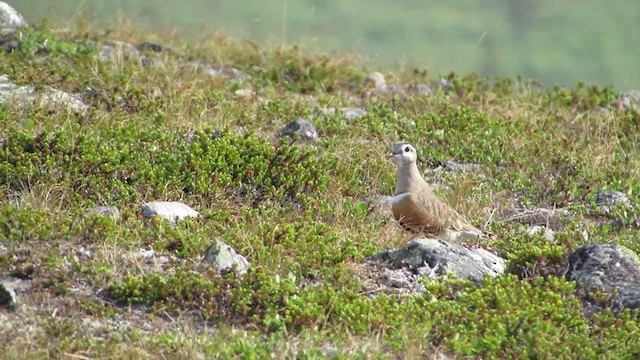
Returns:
(169, 210)
(10, 19)
(25, 95)
(543, 230)
(224, 258)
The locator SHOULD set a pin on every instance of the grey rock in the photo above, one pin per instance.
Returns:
(408, 123)
(8, 297)
(50, 97)
(114, 50)
(9, 44)
(610, 268)
(151, 260)
(542, 230)
(224, 259)
(10, 19)
(350, 113)
(303, 128)
(608, 200)
(9, 288)
(441, 257)
(169, 210)
(108, 211)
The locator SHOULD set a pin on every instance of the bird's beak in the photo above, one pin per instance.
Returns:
(390, 156)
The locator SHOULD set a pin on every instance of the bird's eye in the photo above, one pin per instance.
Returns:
(407, 149)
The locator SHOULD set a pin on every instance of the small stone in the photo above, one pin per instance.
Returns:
(10, 45)
(169, 210)
(83, 254)
(457, 167)
(224, 258)
(409, 123)
(542, 230)
(244, 93)
(301, 127)
(10, 19)
(8, 297)
(108, 211)
(608, 200)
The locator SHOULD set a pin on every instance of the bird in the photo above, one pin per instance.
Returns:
(380, 84)
(417, 208)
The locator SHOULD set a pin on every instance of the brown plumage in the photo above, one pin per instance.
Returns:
(417, 208)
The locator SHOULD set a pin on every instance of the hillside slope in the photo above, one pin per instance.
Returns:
(199, 123)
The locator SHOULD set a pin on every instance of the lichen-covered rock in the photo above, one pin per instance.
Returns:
(10, 19)
(169, 210)
(108, 211)
(224, 259)
(50, 98)
(301, 127)
(607, 200)
(442, 257)
(610, 268)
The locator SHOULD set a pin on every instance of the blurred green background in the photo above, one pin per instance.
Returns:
(552, 41)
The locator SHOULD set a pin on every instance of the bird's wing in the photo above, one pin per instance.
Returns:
(441, 212)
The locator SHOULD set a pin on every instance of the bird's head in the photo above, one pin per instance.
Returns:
(402, 153)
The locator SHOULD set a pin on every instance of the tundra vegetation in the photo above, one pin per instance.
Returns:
(156, 128)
